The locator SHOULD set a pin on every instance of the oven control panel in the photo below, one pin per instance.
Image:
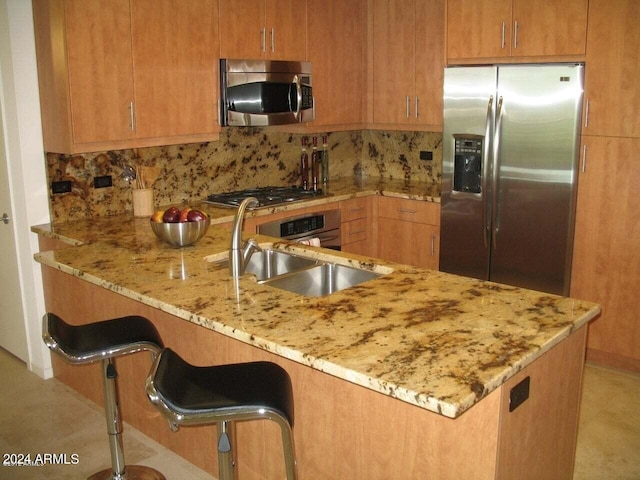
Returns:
(301, 225)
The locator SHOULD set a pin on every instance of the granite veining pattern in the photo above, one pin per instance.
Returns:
(434, 340)
(243, 158)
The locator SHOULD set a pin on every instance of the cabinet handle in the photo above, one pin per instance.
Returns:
(356, 232)
(584, 158)
(408, 106)
(433, 244)
(263, 39)
(503, 35)
(406, 210)
(356, 209)
(586, 114)
(417, 103)
(515, 34)
(273, 39)
(132, 118)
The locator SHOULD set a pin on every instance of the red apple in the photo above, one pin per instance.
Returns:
(196, 216)
(184, 213)
(171, 215)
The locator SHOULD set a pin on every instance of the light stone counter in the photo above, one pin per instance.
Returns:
(434, 340)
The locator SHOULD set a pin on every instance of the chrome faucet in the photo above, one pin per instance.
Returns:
(239, 254)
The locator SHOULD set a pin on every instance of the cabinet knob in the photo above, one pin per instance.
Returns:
(5, 218)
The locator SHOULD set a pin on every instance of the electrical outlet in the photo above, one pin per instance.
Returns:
(102, 182)
(519, 393)
(61, 186)
(426, 155)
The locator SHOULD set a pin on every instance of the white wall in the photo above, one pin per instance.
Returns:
(26, 162)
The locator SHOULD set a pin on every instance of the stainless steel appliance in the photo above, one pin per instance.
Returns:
(323, 225)
(265, 92)
(510, 153)
(267, 196)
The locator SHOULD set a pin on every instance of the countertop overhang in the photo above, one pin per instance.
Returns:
(437, 341)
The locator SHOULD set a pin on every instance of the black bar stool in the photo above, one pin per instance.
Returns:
(224, 394)
(104, 341)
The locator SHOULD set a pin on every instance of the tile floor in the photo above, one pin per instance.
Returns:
(38, 416)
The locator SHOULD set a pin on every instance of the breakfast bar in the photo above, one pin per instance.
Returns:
(414, 374)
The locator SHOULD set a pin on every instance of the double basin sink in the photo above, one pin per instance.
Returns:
(302, 275)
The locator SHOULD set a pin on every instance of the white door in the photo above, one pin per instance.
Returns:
(13, 336)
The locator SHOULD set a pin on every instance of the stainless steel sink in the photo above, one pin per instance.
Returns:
(267, 264)
(323, 279)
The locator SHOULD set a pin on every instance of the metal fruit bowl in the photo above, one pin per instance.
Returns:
(180, 234)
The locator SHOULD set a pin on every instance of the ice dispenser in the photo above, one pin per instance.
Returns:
(467, 168)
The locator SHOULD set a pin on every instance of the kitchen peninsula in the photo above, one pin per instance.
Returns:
(406, 376)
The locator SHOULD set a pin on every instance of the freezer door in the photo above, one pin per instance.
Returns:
(536, 145)
(469, 109)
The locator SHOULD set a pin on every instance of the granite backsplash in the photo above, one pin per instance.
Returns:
(242, 158)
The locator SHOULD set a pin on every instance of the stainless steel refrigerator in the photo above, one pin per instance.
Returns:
(509, 173)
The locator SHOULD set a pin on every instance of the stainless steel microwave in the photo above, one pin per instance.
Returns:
(265, 92)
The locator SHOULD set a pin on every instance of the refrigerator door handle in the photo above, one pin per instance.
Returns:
(485, 171)
(494, 178)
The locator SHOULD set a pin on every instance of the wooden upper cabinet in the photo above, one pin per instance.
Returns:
(117, 74)
(549, 27)
(273, 29)
(86, 84)
(175, 67)
(336, 32)
(98, 34)
(612, 89)
(478, 28)
(407, 61)
(515, 28)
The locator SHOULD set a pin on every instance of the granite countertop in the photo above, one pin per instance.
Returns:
(438, 341)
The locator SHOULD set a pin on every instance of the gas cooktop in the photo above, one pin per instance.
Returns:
(267, 196)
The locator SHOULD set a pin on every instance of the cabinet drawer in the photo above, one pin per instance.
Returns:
(355, 208)
(354, 231)
(416, 211)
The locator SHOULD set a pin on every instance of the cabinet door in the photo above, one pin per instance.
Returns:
(613, 69)
(409, 243)
(242, 25)
(175, 67)
(393, 61)
(606, 257)
(429, 61)
(98, 36)
(549, 27)
(336, 33)
(478, 28)
(286, 22)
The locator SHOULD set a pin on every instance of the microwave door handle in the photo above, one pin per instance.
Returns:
(297, 83)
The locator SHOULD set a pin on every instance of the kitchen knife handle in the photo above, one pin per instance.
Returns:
(494, 178)
(485, 170)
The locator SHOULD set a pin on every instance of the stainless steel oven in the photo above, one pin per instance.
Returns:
(323, 225)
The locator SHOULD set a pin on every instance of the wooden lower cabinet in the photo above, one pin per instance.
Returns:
(341, 430)
(606, 257)
(409, 232)
(358, 222)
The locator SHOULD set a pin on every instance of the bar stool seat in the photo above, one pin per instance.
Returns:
(104, 341)
(224, 394)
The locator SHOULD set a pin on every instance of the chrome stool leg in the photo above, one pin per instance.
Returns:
(226, 451)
